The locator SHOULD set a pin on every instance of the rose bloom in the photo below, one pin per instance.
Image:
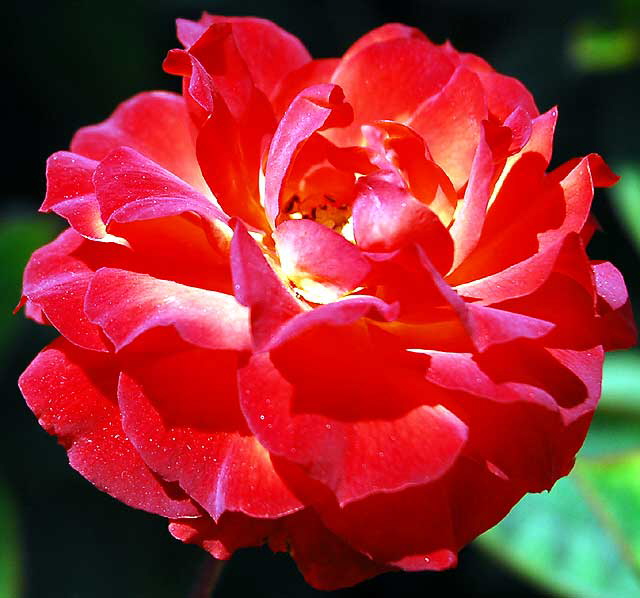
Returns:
(338, 306)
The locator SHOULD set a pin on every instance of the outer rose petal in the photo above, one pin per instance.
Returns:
(181, 413)
(618, 326)
(155, 124)
(415, 448)
(71, 194)
(269, 51)
(221, 539)
(324, 559)
(132, 187)
(438, 518)
(56, 280)
(125, 305)
(71, 391)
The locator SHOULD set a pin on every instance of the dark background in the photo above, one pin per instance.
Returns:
(68, 64)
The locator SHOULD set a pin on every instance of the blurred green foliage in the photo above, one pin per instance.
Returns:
(594, 48)
(10, 550)
(626, 196)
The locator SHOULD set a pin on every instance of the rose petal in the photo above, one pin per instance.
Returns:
(309, 74)
(230, 151)
(339, 453)
(618, 325)
(269, 52)
(310, 251)
(222, 539)
(56, 280)
(130, 186)
(470, 216)
(258, 287)
(181, 413)
(338, 313)
(450, 123)
(387, 218)
(71, 391)
(125, 305)
(71, 194)
(390, 80)
(154, 124)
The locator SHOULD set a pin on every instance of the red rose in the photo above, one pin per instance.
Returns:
(338, 306)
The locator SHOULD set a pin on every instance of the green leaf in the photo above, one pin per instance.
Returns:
(583, 538)
(594, 48)
(10, 569)
(626, 200)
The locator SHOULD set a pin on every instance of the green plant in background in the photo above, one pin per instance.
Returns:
(10, 568)
(593, 48)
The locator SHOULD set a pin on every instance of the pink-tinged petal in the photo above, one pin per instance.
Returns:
(258, 287)
(338, 313)
(515, 281)
(470, 216)
(56, 280)
(390, 80)
(489, 326)
(601, 174)
(126, 305)
(313, 72)
(221, 539)
(418, 446)
(521, 126)
(610, 285)
(131, 187)
(230, 152)
(387, 32)
(386, 218)
(486, 326)
(309, 251)
(188, 31)
(71, 391)
(71, 194)
(198, 88)
(505, 94)
(618, 324)
(549, 208)
(522, 412)
(269, 52)
(450, 124)
(577, 188)
(542, 131)
(405, 150)
(155, 124)
(181, 413)
(314, 109)
(223, 68)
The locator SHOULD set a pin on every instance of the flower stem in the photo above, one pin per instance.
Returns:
(208, 578)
